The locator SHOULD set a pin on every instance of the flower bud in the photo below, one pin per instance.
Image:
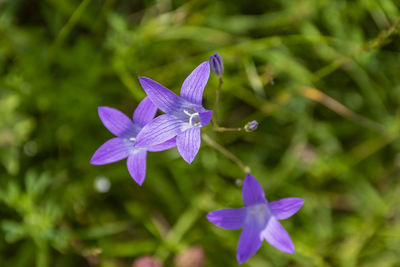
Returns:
(251, 126)
(217, 65)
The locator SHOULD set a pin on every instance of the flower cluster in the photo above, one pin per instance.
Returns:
(180, 126)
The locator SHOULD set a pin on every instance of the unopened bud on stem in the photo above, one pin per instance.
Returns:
(251, 126)
(217, 65)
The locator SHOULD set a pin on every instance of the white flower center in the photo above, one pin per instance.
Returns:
(194, 118)
(258, 213)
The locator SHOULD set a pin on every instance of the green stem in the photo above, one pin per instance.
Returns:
(42, 258)
(226, 153)
(217, 98)
(382, 37)
(71, 22)
(223, 129)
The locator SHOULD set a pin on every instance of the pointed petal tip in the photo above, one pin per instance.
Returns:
(140, 183)
(252, 191)
(162, 97)
(102, 109)
(205, 64)
(144, 112)
(188, 144)
(286, 207)
(194, 84)
(209, 216)
(114, 120)
(143, 79)
(93, 161)
(136, 164)
(229, 219)
(189, 160)
(249, 177)
(288, 250)
(111, 151)
(240, 259)
(213, 217)
(277, 236)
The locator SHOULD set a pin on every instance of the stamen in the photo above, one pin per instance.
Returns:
(132, 139)
(191, 116)
(191, 119)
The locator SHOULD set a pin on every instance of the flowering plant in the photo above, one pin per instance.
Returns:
(180, 126)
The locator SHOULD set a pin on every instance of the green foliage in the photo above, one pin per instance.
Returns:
(321, 77)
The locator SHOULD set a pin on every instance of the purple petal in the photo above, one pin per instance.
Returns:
(205, 117)
(230, 219)
(188, 144)
(252, 191)
(276, 235)
(250, 241)
(193, 86)
(113, 150)
(285, 207)
(162, 97)
(163, 146)
(144, 112)
(158, 131)
(115, 121)
(137, 166)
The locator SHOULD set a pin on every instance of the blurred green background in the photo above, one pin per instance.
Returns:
(321, 77)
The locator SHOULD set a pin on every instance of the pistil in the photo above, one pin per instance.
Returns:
(191, 116)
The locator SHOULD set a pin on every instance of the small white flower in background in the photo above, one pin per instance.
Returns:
(102, 184)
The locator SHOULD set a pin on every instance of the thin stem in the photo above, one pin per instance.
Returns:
(382, 37)
(226, 153)
(71, 22)
(318, 96)
(217, 97)
(223, 129)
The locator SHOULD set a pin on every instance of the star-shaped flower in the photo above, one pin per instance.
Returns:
(184, 116)
(124, 144)
(259, 220)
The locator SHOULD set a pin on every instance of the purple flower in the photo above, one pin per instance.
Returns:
(184, 116)
(217, 65)
(124, 144)
(259, 220)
